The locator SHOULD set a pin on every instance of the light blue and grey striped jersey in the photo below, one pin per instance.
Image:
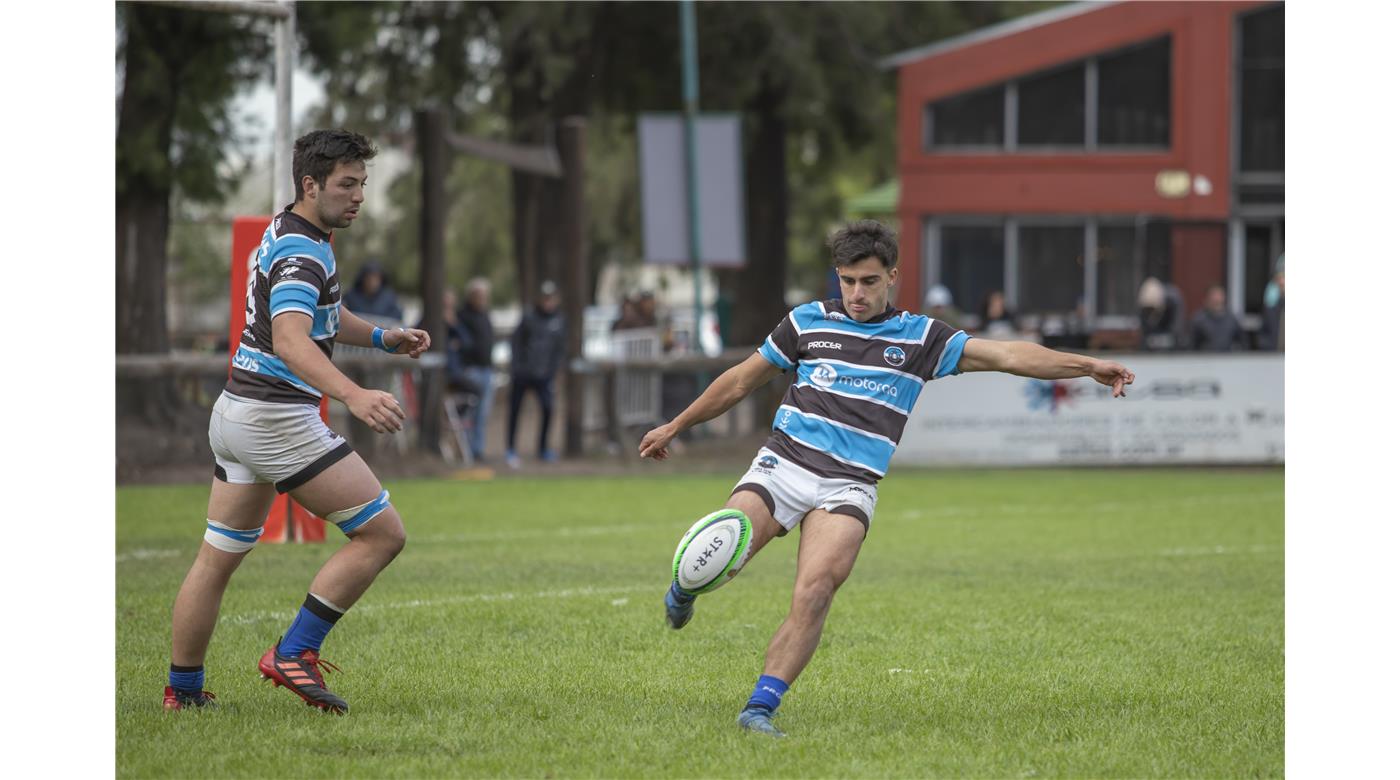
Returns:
(856, 384)
(295, 273)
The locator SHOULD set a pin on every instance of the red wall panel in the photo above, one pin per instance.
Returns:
(1073, 183)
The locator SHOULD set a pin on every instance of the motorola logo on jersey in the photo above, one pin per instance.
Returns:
(824, 375)
(870, 385)
(824, 345)
(894, 356)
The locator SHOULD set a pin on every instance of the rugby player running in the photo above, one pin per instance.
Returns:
(860, 365)
(268, 438)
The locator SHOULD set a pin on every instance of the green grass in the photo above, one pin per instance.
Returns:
(997, 624)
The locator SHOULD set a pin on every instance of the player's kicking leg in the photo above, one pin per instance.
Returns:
(350, 496)
(235, 518)
(825, 557)
(680, 606)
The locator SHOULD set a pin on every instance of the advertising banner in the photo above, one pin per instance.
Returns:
(1181, 409)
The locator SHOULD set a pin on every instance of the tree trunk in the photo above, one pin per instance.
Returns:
(144, 129)
(759, 287)
(430, 127)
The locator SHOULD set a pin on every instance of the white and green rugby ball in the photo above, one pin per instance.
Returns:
(712, 551)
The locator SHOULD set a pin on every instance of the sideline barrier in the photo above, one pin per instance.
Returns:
(1182, 409)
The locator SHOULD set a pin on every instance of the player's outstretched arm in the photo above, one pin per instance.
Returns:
(1023, 358)
(291, 341)
(730, 388)
(401, 341)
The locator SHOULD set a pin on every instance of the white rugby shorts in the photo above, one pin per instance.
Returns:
(260, 441)
(791, 491)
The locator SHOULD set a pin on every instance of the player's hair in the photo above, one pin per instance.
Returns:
(317, 153)
(859, 240)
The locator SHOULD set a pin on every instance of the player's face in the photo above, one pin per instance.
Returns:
(338, 203)
(865, 287)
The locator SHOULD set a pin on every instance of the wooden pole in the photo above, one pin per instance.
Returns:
(430, 126)
(572, 137)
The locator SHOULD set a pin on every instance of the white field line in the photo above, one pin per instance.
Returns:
(500, 536)
(535, 533)
(1082, 509)
(143, 554)
(1253, 549)
(247, 618)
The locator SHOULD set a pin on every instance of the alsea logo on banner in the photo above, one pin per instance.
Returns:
(1052, 395)
(1045, 394)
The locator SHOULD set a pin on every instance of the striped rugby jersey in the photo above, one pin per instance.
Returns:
(856, 384)
(295, 272)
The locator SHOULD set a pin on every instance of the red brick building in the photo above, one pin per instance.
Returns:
(1065, 156)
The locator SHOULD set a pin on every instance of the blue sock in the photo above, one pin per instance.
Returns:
(767, 694)
(314, 620)
(680, 596)
(187, 678)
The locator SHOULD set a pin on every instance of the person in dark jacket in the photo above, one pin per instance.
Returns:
(372, 296)
(475, 320)
(1271, 335)
(1214, 328)
(1159, 314)
(536, 352)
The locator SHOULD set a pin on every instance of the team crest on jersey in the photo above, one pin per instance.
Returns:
(894, 356)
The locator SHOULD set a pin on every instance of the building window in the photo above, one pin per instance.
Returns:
(1050, 269)
(1131, 107)
(972, 263)
(1263, 243)
(1050, 108)
(1119, 270)
(970, 119)
(1134, 96)
(1261, 90)
(1127, 255)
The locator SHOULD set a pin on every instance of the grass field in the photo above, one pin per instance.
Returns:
(998, 624)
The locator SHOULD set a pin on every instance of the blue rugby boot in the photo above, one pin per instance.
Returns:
(680, 607)
(759, 720)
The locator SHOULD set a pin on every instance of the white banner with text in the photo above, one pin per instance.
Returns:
(1181, 409)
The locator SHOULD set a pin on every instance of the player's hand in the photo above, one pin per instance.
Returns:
(377, 409)
(408, 341)
(654, 443)
(1114, 375)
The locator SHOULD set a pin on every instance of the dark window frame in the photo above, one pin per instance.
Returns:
(1011, 112)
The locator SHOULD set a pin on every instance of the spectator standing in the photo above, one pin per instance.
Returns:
(1271, 335)
(475, 318)
(1159, 314)
(1214, 328)
(627, 317)
(462, 388)
(997, 320)
(938, 304)
(372, 295)
(537, 351)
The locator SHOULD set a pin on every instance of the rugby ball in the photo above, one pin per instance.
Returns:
(712, 551)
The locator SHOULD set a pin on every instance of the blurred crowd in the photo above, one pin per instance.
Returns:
(537, 345)
(1164, 325)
